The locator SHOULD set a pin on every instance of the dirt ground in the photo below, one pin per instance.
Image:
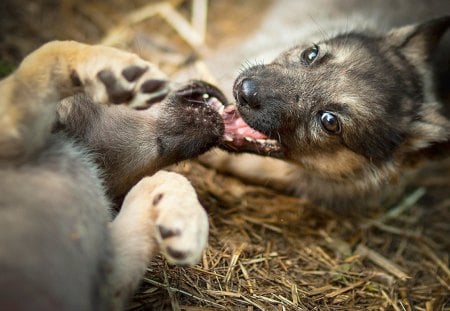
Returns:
(267, 251)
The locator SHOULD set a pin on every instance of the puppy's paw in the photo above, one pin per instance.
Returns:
(181, 229)
(164, 208)
(109, 75)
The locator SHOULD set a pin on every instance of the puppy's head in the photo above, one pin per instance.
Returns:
(355, 105)
(177, 122)
(187, 120)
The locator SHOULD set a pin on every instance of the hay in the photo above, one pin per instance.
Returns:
(267, 251)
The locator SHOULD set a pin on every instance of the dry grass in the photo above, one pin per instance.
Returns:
(267, 251)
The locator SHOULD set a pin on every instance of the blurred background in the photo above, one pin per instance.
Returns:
(267, 251)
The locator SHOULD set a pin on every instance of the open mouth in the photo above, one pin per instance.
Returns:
(240, 137)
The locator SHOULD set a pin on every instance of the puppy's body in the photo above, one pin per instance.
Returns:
(38, 217)
(369, 75)
(59, 248)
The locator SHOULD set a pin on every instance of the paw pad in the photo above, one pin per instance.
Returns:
(175, 254)
(157, 88)
(75, 79)
(168, 233)
(157, 198)
(117, 93)
(132, 73)
(152, 86)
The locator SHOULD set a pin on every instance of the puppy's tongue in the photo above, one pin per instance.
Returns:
(239, 136)
(237, 130)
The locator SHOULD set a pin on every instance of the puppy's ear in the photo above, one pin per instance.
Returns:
(429, 131)
(418, 41)
(428, 134)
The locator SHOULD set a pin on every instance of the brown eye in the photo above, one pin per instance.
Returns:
(330, 122)
(309, 55)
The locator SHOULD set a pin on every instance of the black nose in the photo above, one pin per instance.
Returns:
(247, 93)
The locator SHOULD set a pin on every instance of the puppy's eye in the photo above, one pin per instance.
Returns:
(309, 55)
(330, 122)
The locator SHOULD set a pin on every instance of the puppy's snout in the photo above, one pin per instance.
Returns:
(247, 93)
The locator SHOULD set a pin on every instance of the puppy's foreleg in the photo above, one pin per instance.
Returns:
(257, 170)
(58, 69)
(30, 95)
(162, 213)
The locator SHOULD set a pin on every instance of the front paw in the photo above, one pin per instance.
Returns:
(164, 208)
(181, 231)
(109, 75)
(181, 223)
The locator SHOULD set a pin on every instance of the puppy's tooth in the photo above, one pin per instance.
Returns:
(221, 109)
(205, 96)
(227, 138)
(261, 141)
(270, 141)
(250, 140)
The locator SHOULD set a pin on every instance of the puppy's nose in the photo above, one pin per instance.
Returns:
(247, 93)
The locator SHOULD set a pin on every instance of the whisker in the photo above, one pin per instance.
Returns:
(197, 101)
(279, 137)
(325, 36)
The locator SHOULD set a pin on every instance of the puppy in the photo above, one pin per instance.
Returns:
(63, 163)
(346, 114)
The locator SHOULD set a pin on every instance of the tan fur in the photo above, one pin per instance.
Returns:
(41, 81)
(342, 163)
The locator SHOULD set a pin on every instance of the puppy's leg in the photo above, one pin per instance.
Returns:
(162, 213)
(56, 70)
(257, 170)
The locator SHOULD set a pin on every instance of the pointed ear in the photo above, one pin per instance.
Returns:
(429, 134)
(418, 41)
